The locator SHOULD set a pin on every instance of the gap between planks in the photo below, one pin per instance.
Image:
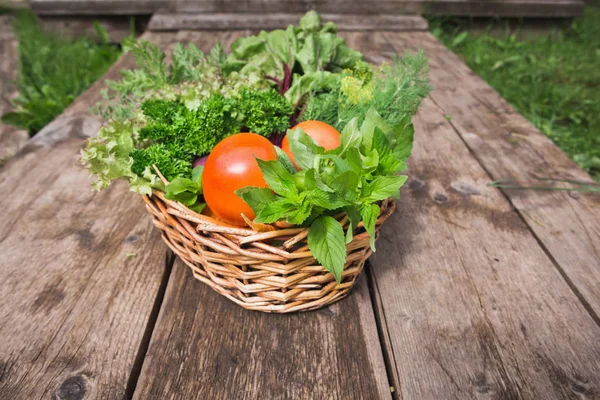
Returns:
(138, 362)
(566, 225)
(484, 332)
(383, 331)
(343, 335)
(519, 212)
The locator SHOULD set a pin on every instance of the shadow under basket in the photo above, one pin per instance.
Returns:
(265, 271)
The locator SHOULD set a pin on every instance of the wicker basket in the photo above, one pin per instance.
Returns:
(265, 271)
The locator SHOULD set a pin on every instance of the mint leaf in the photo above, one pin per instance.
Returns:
(300, 214)
(389, 162)
(340, 164)
(285, 160)
(369, 214)
(390, 165)
(276, 210)
(326, 200)
(382, 187)
(351, 137)
(312, 180)
(354, 217)
(354, 160)
(370, 162)
(278, 177)
(326, 242)
(367, 129)
(381, 143)
(256, 198)
(404, 134)
(304, 148)
(345, 185)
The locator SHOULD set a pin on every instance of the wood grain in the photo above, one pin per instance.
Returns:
(506, 8)
(237, 21)
(508, 146)
(471, 305)
(118, 27)
(75, 305)
(205, 346)
(100, 7)
(515, 8)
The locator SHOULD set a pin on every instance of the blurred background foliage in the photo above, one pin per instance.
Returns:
(54, 70)
(550, 75)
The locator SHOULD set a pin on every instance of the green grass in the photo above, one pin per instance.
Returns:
(54, 71)
(552, 79)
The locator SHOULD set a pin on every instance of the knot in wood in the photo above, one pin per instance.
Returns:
(72, 388)
(416, 184)
(440, 198)
(580, 387)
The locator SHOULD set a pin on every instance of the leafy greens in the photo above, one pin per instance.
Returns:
(352, 178)
(162, 116)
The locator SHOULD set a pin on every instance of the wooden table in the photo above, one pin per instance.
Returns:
(474, 292)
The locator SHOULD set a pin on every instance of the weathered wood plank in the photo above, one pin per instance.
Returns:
(471, 306)
(117, 27)
(12, 139)
(100, 7)
(75, 305)
(205, 346)
(508, 146)
(514, 8)
(237, 21)
(505, 8)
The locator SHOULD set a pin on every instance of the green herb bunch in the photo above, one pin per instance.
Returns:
(167, 115)
(298, 60)
(161, 117)
(352, 178)
(394, 90)
(176, 134)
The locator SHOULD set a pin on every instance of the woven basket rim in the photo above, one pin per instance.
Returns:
(270, 271)
(210, 224)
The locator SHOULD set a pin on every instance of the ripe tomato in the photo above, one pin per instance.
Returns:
(323, 134)
(231, 166)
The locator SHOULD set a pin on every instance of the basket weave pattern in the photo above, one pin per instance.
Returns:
(266, 271)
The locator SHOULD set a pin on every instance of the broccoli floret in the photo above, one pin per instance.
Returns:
(264, 112)
(170, 160)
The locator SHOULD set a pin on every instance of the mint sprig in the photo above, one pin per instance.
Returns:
(326, 242)
(353, 179)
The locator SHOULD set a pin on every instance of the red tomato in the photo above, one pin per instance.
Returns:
(323, 134)
(231, 166)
